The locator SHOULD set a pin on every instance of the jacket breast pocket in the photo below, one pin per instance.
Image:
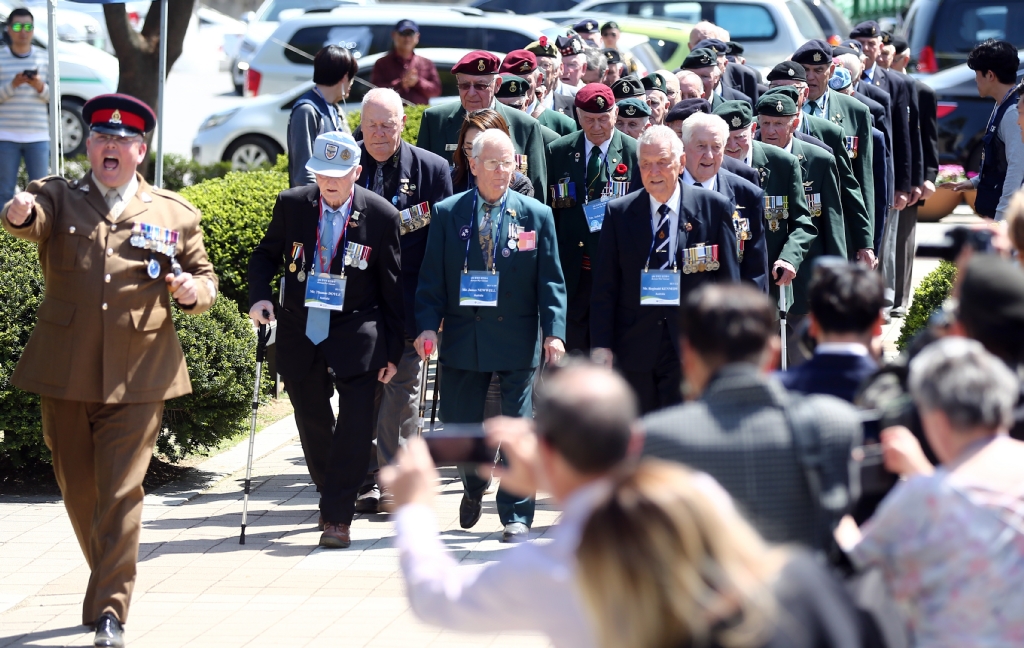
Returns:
(47, 356)
(74, 250)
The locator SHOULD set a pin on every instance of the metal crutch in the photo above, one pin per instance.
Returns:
(262, 336)
(782, 319)
(428, 347)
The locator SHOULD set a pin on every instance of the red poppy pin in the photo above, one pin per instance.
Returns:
(621, 169)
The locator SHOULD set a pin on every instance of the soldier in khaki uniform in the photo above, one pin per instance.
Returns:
(104, 354)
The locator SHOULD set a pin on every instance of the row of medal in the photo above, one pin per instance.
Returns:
(851, 146)
(814, 204)
(700, 258)
(775, 208)
(154, 238)
(415, 217)
(513, 239)
(742, 227)
(356, 256)
(563, 194)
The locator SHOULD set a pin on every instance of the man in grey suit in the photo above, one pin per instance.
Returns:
(737, 425)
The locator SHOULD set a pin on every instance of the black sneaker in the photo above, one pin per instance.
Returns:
(470, 511)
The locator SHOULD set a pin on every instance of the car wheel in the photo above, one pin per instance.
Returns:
(73, 129)
(252, 151)
(240, 89)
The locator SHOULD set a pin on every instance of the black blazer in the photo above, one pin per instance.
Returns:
(428, 181)
(368, 333)
(740, 168)
(748, 199)
(833, 374)
(617, 320)
(902, 150)
(741, 78)
(879, 96)
(928, 105)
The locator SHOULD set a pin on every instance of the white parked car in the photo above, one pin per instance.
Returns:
(286, 57)
(260, 24)
(770, 30)
(256, 132)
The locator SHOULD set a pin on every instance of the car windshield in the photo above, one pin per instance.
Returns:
(274, 9)
(805, 20)
(967, 23)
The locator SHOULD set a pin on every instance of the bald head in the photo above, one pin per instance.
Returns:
(691, 86)
(586, 413)
(701, 31)
(382, 121)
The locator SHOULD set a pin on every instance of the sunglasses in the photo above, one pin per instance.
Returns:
(479, 87)
(17, 27)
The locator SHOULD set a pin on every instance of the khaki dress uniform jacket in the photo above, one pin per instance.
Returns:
(104, 356)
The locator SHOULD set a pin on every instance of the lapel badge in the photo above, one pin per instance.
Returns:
(512, 213)
(354, 219)
(577, 157)
(145, 197)
(687, 227)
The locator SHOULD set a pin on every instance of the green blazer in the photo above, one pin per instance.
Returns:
(780, 175)
(567, 159)
(556, 121)
(439, 133)
(531, 289)
(859, 224)
(820, 177)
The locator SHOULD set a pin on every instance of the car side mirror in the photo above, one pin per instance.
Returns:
(248, 17)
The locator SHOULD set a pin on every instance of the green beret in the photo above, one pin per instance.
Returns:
(633, 108)
(513, 87)
(701, 57)
(736, 113)
(654, 81)
(776, 104)
(627, 86)
(790, 91)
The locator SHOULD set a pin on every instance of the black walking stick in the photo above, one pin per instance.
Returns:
(261, 353)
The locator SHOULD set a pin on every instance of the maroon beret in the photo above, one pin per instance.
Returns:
(595, 98)
(477, 63)
(519, 62)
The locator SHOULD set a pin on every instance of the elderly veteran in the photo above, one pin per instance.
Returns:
(104, 356)
(478, 81)
(657, 96)
(588, 168)
(634, 116)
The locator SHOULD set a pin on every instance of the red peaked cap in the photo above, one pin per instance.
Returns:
(519, 62)
(595, 98)
(477, 63)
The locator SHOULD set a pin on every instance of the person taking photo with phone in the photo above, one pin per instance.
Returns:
(24, 95)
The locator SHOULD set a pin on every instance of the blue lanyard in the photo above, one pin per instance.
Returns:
(346, 210)
(494, 250)
(394, 199)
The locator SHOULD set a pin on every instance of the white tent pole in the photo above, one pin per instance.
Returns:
(56, 154)
(158, 176)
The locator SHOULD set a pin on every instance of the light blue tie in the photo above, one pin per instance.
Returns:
(318, 320)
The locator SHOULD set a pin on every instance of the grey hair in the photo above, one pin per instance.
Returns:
(713, 123)
(658, 134)
(386, 97)
(958, 377)
(852, 63)
(490, 136)
(596, 60)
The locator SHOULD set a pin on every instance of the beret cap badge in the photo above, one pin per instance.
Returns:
(600, 102)
(778, 106)
(525, 67)
(792, 72)
(481, 65)
(512, 87)
(630, 110)
(817, 57)
(736, 121)
(346, 155)
(705, 59)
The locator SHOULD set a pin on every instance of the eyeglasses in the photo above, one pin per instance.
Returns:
(17, 27)
(467, 150)
(504, 165)
(106, 138)
(464, 86)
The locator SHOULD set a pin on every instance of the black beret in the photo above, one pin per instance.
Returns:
(718, 46)
(687, 107)
(866, 29)
(776, 104)
(612, 55)
(628, 86)
(736, 113)
(788, 71)
(701, 57)
(654, 81)
(839, 50)
(513, 86)
(733, 48)
(853, 44)
(900, 44)
(813, 52)
(886, 38)
(633, 107)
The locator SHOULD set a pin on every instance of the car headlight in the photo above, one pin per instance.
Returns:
(216, 120)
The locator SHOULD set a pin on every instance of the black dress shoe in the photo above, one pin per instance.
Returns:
(470, 511)
(109, 632)
(368, 501)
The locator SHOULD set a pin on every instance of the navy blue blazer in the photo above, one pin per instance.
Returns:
(883, 172)
(872, 96)
(748, 200)
(421, 176)
(902, 150)
(617, 320)
(839, 375)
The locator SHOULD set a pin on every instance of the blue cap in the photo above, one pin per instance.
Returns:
(335, 154)
(585, 26)
(407, 25)
(841, 79)
(720, 47)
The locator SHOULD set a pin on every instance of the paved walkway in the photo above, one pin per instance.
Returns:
(198, 587)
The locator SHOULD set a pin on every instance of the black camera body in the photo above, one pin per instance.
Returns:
(980, 240)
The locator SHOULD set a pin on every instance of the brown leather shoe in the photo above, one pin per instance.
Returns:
(387, 501)
(335, 536)
(320, 522)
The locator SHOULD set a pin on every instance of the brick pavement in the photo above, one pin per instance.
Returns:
(198, 587)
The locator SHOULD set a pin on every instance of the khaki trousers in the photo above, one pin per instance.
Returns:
(100, 455)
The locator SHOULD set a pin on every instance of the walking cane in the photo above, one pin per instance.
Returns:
(261, 354)
(782, 319)
(428, 348)
(437, 390)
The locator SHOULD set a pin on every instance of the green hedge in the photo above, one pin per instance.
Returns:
(934, 289)
(236, 212)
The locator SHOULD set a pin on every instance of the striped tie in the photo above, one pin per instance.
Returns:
(661, 257)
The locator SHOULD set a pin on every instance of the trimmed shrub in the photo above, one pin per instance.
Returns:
(413, 116)
(179, 171)
(236, 213)
(934, 289)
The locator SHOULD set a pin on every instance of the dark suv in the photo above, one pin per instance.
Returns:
(942, 33)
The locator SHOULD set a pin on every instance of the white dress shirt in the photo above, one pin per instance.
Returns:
(588, 146)
(842, 348)
(674, 204)
(531, 587)
(689, 180)
(749, 159)
(788, 148)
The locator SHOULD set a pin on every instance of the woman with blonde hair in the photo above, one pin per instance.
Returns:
(475, 123)
(664, 562)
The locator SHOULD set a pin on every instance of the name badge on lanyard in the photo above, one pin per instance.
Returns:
(594, 212)
(478, 288)
(326, 291)
(659, 288)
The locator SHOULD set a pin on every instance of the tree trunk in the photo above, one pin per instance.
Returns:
(138, 53)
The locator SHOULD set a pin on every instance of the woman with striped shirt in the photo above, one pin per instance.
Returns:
(24, 95)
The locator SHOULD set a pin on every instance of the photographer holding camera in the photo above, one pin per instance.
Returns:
(24, 95)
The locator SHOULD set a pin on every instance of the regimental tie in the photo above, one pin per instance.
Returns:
(113, 199)
(594, 172)
(486, 238)
(378, 180)
(660, 259)
(811, 108)
(318, 320)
